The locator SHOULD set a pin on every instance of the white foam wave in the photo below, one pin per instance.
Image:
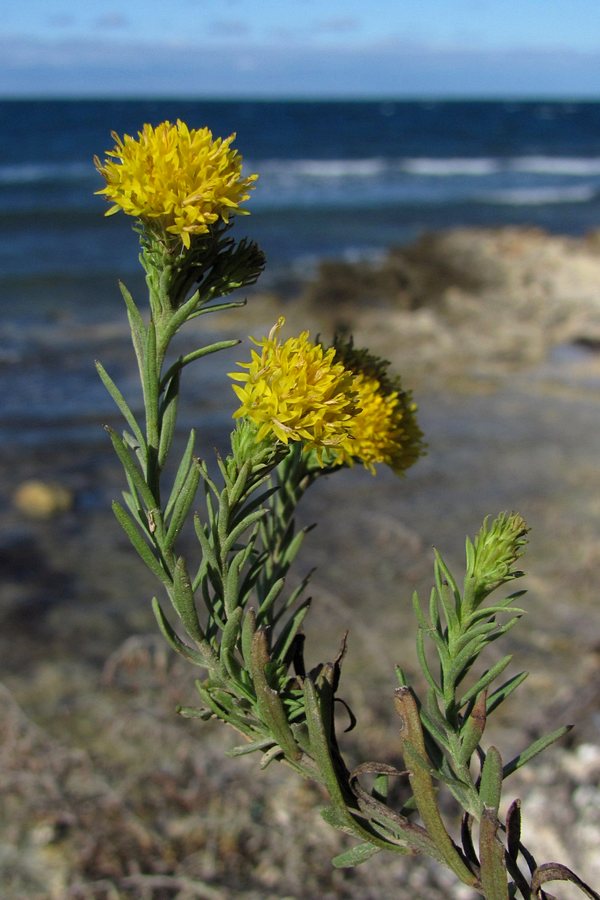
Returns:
(541, 196)
(451, 166)
(324, 168)
(557, 165)
(32, 173)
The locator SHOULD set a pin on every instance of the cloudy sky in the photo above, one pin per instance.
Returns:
(300, 48)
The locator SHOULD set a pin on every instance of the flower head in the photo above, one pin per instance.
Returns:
(175, 179)
(384, 428)
(494, 552)
(296, 391)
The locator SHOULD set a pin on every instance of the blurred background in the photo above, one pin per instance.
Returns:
(430, 180)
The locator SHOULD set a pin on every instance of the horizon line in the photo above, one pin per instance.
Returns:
(305, 98)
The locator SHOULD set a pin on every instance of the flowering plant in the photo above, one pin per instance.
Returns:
(306, 409)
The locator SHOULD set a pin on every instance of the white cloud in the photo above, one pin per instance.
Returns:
(103, 67)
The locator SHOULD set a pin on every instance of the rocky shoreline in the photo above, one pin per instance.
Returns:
(106, 790)
(466, 300)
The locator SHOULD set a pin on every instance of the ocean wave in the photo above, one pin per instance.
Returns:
(557, 165)
(452, 166)
(375, 168)
(541, 196)
(329, 169)
(425, 166)
(31, 173)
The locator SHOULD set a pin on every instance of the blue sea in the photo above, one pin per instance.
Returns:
(337, 179)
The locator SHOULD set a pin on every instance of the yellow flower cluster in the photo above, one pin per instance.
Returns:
(379, 433)
(295, 391)
(385, 428)
(338, 400)
(176, 179)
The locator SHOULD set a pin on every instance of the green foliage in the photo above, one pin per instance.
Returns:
(233, 615)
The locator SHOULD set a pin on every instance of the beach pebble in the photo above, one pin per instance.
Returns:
(41, 499)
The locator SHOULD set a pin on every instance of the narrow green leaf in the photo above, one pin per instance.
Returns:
(184, 602)
(188, 358)
(472, 636)
(280, 610)
(322, 753)
(248, 632)
(121, 403)
(434, 730)
(462, 662)
(238, 488)
(251, 747)
(276, 752)
(472, 729)
(270, 707)
(403, 679)
(222, 521)
(265, 605)
(253, 504)
(337, 818)
(291, 550)
(181, 474)
(229, 641)
(536, 747)
(232, 596)
(420, 616)
(218, 307)
(230, 539)
(289, 632)
(183, 505)
(497, 609)
(209, 484)
(132, 469)
(133, 505)
(173, 639)
(434, 609)
(355, 856)
(424, 663)
(225, 475)
(208, 551)
(136, 324)
(139, 544)
(504, 691)
(193, 712)
(490, 788)
(446, 585)
(485, 680)
(168, 419)
(469, 556)
(151, 375)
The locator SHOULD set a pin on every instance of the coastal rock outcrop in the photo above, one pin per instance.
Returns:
(467, 299)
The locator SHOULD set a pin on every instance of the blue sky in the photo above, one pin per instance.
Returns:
(301, 48)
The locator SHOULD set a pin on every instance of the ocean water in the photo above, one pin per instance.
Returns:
(337, 179)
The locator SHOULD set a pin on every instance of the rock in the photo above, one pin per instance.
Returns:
(42, 500)
(495, 299)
